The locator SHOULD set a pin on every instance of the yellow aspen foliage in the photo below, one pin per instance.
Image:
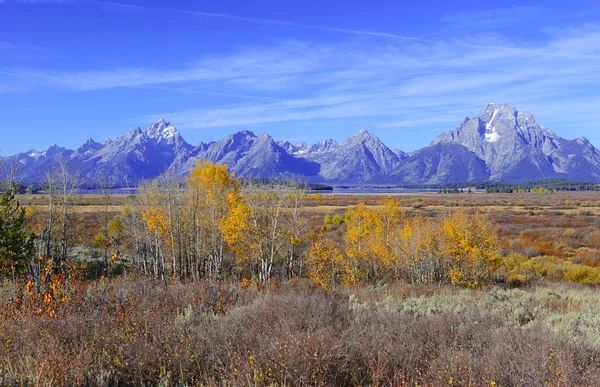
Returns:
(156, 221)
(360, 232)
(430, 245)
(372, 238)
(210, 189)
(386, 224)
(155, 214)
(263, 228)
(470, 247)
(418, 244)
(326, 265)
(31, 210)
(214, 180)
(235, 225)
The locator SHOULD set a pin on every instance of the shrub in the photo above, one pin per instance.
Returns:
(133, 332)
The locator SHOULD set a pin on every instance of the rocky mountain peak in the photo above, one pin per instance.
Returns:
(162, 130)
(323, 146)
(501, 143)
(500, 120)
(53, 150)
(242, 134)
(264, 136)
(89, 146)
(360, 135)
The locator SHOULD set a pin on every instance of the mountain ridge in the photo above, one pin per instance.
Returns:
(499, 144)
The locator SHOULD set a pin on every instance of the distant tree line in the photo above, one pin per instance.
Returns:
(496, 186)
(529, 186)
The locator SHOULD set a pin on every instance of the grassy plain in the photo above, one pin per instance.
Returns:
(561, 224)
(132, 330)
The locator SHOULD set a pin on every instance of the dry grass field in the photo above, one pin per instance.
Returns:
(561, 224)
(534, 324)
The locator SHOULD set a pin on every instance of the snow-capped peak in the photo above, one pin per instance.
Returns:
(161, 130)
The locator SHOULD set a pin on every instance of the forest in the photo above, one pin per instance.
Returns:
(219, 281)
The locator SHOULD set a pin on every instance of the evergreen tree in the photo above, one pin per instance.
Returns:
(336, 219)
(347, 216)
(16, 241)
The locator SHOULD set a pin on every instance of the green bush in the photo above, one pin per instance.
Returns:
(16, 240)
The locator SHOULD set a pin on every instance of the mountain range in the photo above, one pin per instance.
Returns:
(500, 143)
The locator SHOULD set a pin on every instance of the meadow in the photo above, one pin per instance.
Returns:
(432, 289)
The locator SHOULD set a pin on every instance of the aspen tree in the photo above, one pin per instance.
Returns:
(326, 264)
(209, 188)
(471, 247)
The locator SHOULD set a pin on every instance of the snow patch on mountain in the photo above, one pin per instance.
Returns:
(490, 131)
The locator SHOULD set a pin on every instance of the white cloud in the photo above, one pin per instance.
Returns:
(390, 82)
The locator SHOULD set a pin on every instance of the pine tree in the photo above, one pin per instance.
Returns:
(16, 241)
(336, 219)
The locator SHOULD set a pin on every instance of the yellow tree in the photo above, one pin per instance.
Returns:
(326, 265)
(160, 205)
(234, 227)
(210, 187)
(360, 231)
(264, 233)
(158, 223)
(419, 251)
(387, 226)
(470, 246)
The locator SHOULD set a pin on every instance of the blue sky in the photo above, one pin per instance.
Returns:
(299, 70)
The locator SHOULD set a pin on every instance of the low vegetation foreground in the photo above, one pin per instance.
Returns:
(218, 281)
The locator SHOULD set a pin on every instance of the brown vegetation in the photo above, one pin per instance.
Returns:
(219, 282)
(133, 331)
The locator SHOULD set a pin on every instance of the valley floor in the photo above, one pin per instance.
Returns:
(132, 331)
(533, 323)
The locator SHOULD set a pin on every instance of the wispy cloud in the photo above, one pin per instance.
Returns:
(492, 18)
(309, 26)
(387, 35)
(407, 83)
(389, 81)
(105, 5)
(117, 7)
(41, 1)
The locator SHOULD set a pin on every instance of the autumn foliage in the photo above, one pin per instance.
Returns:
(381, 244)
(217, 281)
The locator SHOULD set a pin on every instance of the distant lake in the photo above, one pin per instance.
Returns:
(111, 191)
(336, 190)
(367, 190)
